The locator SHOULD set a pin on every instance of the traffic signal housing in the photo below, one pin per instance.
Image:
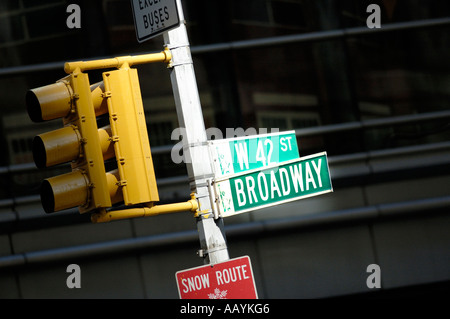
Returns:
(86, 147)
(130, 136)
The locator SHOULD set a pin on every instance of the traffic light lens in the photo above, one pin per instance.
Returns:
(47, 197)
(49, 102)
(39, 153)
(33, 107)
(56, 147)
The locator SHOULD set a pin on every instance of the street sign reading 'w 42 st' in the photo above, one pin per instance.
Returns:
(285, 182)
(236, 155)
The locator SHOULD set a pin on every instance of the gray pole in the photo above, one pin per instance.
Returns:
(195, 150)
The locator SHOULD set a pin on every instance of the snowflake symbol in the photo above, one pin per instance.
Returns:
(218, 294)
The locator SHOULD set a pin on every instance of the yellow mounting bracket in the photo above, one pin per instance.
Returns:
(163, 56)
(150, 210)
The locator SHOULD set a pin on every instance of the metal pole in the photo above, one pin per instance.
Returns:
(190, 118)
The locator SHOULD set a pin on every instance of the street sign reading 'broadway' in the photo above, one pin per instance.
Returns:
(235, 155)
(260, 188)
(231, 279)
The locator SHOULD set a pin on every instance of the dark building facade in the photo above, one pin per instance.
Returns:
(375, 99)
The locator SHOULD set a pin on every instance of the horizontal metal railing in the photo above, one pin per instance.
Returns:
(316, 130)
(249, 229)
(372, 123)
(261, 42)
(318, 36)
(366, 157)
(326, 129)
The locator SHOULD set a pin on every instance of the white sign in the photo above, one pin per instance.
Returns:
(153, 17)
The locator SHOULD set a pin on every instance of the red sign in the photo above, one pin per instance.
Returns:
(231, 279)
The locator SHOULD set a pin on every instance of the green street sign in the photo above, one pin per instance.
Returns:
(260, 188)
(241, 154)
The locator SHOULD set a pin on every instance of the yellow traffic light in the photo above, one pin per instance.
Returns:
(86, 146)
(79, 142)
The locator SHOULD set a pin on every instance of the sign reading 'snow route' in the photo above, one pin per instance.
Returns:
(292, 180)
(153, 17)
(231, 279)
